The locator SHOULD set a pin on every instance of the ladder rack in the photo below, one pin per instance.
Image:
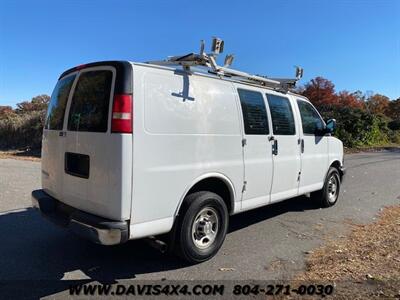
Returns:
(209, 61)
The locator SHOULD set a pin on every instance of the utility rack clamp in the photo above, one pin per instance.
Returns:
(209, 61)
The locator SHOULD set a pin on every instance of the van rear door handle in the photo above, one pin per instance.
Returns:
(275, 147)
(62, 133)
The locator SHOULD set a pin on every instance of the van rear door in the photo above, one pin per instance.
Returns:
(96, 151)
(52, 143)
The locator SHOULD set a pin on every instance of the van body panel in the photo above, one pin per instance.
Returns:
(150, 228)
(235, 205)
(184, 127)
(52, 163)
(335, 151)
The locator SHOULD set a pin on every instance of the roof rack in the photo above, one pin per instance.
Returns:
(209, 61)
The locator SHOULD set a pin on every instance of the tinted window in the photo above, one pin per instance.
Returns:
(282, 115)
(89, 107)
(57, 104)
(312, 123)
(254, 112)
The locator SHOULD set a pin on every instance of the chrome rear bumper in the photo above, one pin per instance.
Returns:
(97, 229)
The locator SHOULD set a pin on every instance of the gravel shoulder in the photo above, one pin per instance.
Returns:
(21, 155)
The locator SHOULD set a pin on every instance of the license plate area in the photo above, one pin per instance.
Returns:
(77, 164)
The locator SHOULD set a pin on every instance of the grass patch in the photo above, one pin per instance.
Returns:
(365, 264)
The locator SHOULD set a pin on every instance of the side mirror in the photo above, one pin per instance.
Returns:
(330, 125)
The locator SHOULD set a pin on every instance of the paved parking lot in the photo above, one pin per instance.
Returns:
(267, 243)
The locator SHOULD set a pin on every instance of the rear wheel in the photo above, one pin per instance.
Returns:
(201, 227)
(329, 194)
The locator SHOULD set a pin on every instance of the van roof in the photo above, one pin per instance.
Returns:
(201, 71)
(123, 84)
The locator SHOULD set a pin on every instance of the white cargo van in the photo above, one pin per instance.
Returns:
(134, 150)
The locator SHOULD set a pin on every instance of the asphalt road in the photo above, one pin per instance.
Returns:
(266, 243)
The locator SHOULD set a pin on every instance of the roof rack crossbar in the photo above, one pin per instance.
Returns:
(209, 61)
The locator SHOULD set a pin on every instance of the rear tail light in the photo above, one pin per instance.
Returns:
(122, 114)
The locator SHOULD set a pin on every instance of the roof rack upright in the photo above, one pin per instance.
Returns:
(209, 61)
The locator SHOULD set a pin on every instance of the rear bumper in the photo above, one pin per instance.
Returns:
(97, 229)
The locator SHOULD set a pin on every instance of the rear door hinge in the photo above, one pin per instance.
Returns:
(244, 186)
(298, 177)
(244, 142)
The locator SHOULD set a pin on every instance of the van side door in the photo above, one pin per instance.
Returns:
(257, 153)
(285, 147)
(314, 148)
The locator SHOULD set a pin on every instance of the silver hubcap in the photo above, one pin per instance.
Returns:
(332, 188)
(205, 228)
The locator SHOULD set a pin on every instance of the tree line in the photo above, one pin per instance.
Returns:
(363, 119)
(22, 127)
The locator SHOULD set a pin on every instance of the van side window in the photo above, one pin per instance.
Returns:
(254, 112)
(310, 119)
(282, 115)
(90, 103)
(57, 104)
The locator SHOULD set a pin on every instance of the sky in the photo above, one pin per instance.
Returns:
(355, 44)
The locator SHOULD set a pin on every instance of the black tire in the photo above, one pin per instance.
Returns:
(329, 194)
(199, 211)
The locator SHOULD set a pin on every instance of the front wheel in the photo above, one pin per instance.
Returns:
(202, 227)
(329, 194)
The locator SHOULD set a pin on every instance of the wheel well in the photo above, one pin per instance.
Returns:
(217, 186)
(336, 164)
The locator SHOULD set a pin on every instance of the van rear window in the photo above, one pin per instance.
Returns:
(57, 104)
(90, 102)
